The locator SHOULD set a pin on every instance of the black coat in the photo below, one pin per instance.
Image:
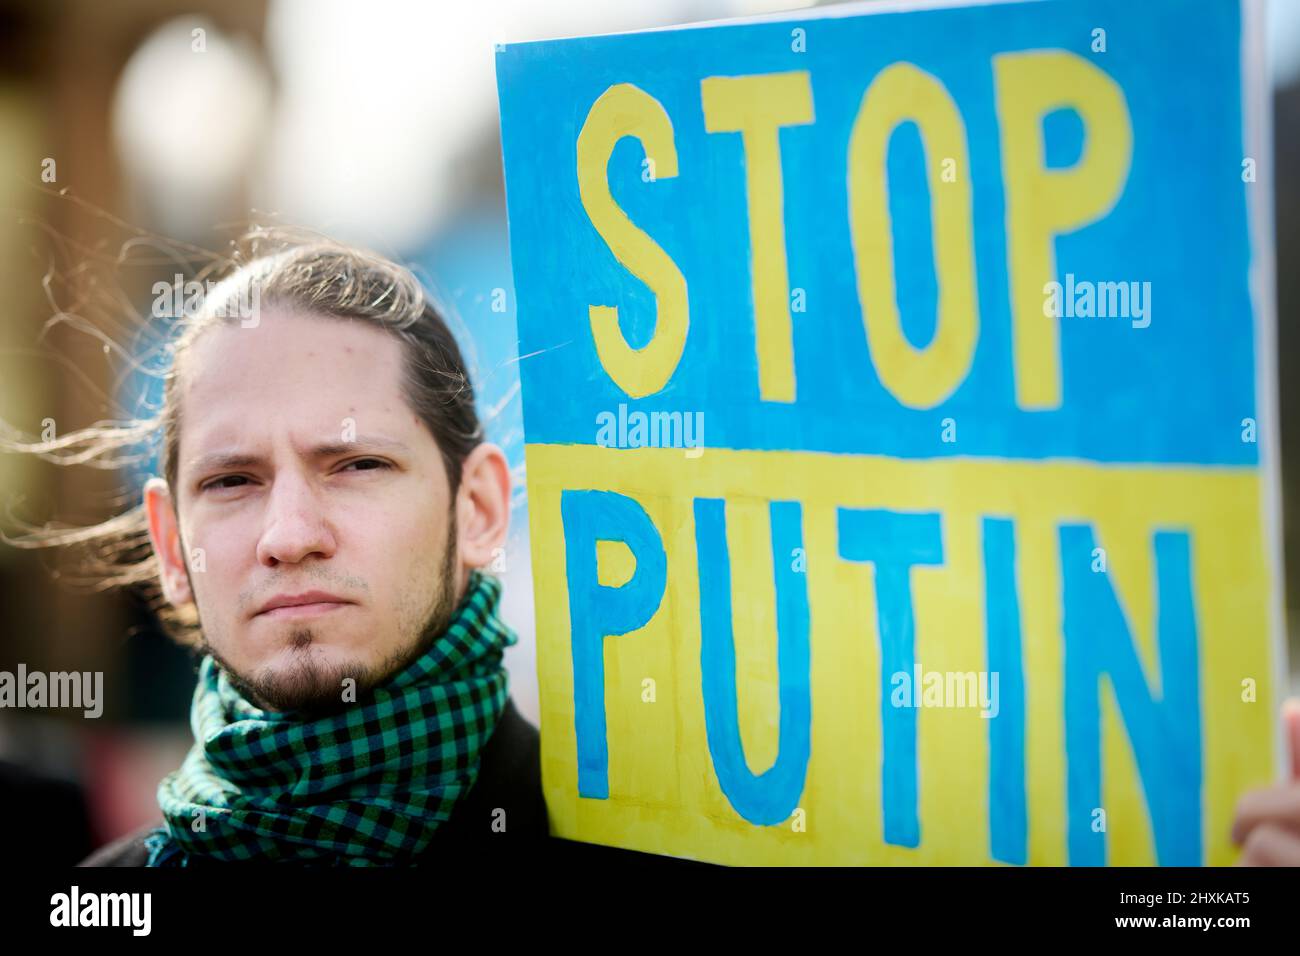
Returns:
(510, 778)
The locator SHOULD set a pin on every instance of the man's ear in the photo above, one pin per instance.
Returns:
(483, 505)
(167, 546)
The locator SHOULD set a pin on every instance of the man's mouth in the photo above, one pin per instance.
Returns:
(307, 604)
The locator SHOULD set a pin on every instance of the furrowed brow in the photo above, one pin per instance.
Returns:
(361, 443)
(218, 461)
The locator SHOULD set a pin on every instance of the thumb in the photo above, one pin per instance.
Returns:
(1291, 724)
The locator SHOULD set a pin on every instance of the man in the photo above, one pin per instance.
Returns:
(326, 501)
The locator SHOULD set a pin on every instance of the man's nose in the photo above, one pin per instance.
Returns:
(296, 523)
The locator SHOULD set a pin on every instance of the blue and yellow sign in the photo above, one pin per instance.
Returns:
(899, 482)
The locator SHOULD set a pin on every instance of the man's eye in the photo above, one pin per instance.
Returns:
(217, 482)
(368, 461)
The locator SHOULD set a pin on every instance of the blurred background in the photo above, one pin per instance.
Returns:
(134, 135)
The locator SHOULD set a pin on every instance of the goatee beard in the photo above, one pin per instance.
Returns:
(312, 690)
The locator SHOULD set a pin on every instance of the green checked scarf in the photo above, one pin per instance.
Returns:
(365, 787)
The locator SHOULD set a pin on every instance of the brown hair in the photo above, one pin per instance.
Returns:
(290, 269)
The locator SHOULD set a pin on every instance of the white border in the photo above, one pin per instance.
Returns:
(1257, 117)
(856, 8)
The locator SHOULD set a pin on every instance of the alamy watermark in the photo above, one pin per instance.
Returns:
(36, 689)
(651, 430)
(1098, 300)
(180, 298)
(946, 689)
(75, 908)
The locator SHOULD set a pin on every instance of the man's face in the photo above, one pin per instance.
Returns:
(302, 469)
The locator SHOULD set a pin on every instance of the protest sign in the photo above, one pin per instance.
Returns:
(901, 452)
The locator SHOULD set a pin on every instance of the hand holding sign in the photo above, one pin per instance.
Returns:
(1267, 827)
